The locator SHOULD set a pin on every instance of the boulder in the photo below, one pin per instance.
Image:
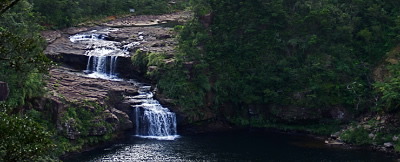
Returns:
(371, 136)
(367, 127)
(4, 91)
(124, 122)
(335, 136)
(110, 117)
(388, 145)
(395, 138)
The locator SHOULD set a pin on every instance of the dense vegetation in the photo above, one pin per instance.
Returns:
(22, 65)
(65, 13)
(308, 54)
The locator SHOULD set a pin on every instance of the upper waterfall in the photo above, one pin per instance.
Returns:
(102, 54)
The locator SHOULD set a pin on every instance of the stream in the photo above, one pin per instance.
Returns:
(155, 135)
(151, 119)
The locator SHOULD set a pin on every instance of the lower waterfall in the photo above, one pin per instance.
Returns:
(151, 119)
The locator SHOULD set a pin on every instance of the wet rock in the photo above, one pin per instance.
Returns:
(110, 117)
(395, 138)
(388, 145)
(371, 135)
(367, 127)
(124, 122)
(164, 36)
(4, 91)
(334, 142)
(335, 136)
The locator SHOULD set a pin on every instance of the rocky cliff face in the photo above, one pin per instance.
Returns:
(68, 89)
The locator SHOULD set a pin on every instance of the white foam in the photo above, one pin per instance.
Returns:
(166, 138)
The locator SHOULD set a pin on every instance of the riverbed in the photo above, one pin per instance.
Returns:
(249, 145)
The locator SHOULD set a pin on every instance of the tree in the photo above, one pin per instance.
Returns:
(22, 139)
(22, 64)
(5, 5)
(22, 61)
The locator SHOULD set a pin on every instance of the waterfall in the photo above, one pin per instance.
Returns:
(88, 64)
(102, 66)
(113, 64)
(102, 54)
(153, 120)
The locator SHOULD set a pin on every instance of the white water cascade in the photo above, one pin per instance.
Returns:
(151, 119)
(102, 54)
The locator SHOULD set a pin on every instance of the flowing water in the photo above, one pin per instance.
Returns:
(102, 54)
(151, 119)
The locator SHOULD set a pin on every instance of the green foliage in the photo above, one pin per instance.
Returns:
(156, 59)
(85, 121)
(324, 127)
(21, 138)
(310, 54)
(358, 136)
(200, 7)
(140, 60)
(22, 62)
(390, 88)
(187, 80)
(65, 13)
(22, 66)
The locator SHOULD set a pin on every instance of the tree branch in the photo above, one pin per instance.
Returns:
(8, 6)
(6, 59)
